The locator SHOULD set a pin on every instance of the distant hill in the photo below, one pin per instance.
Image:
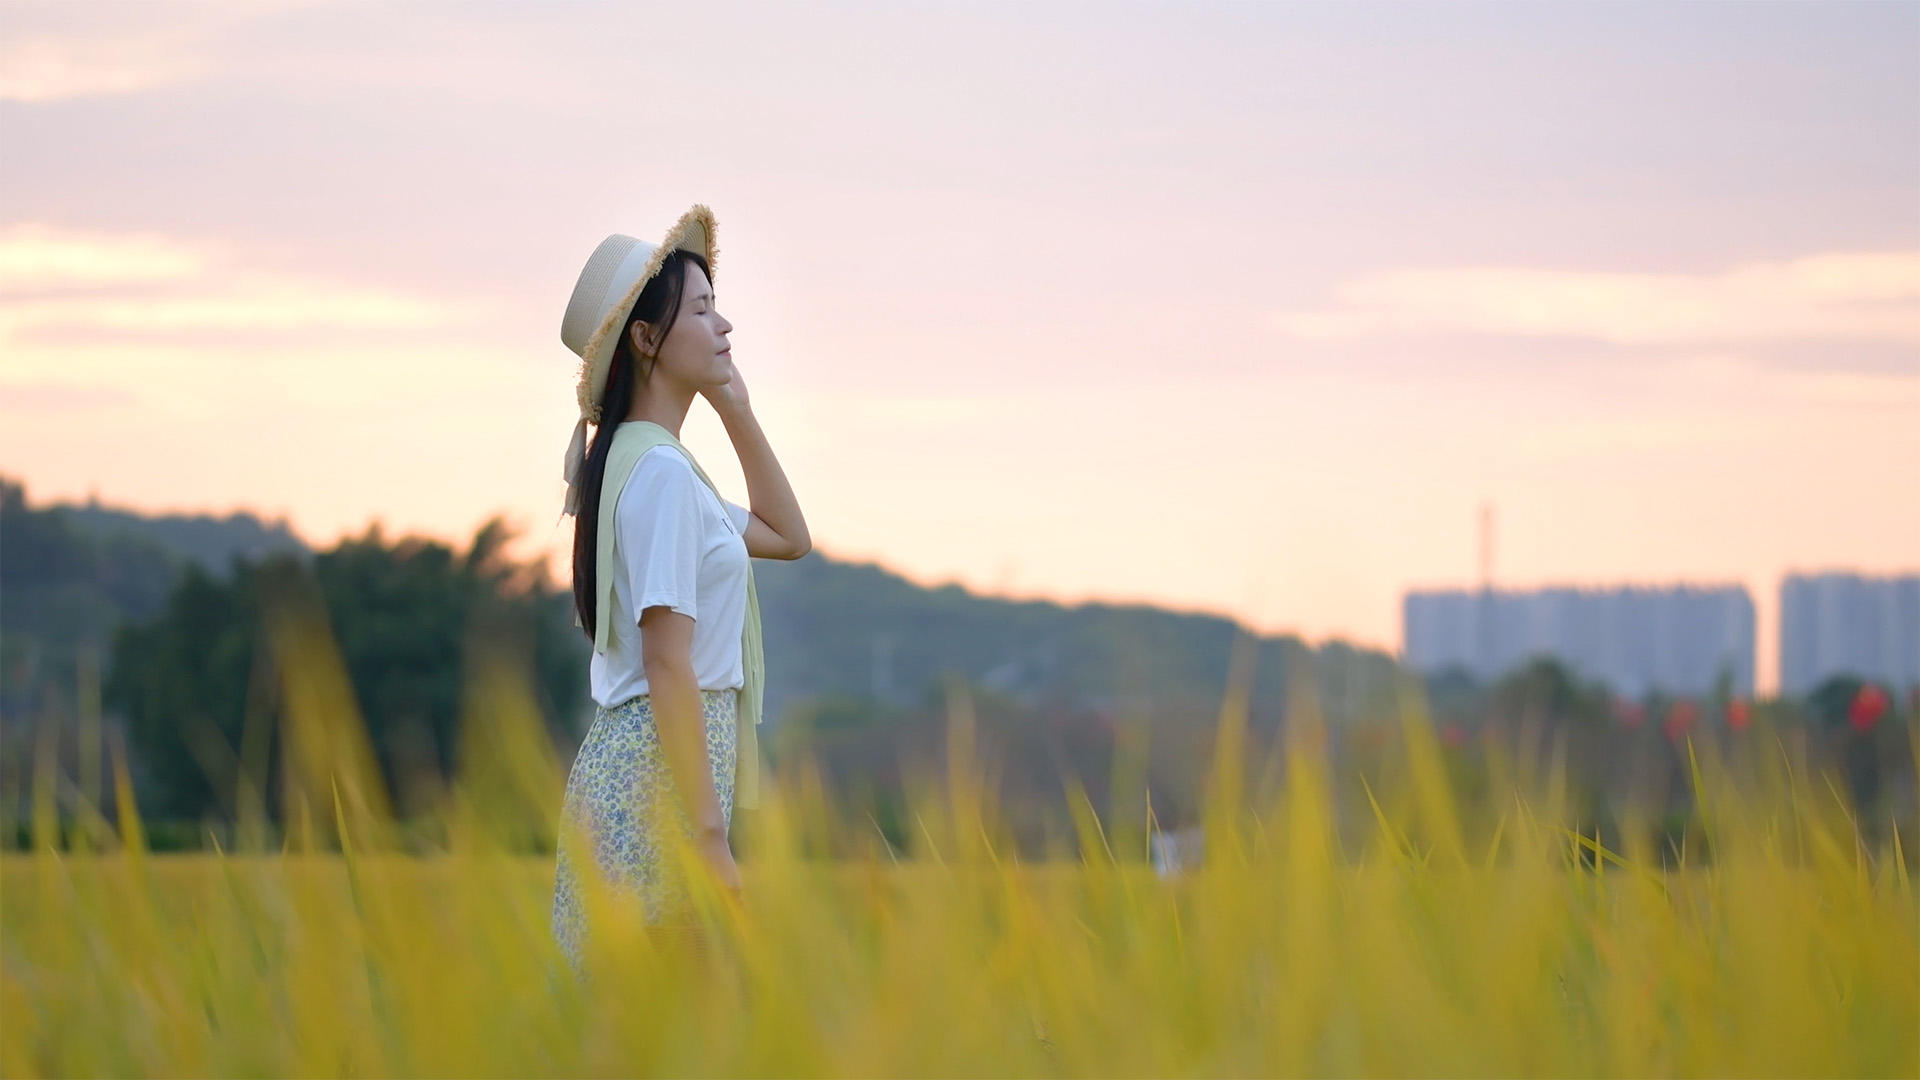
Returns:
(213, 542)
(833, 628)
(70, 573)
(847, 629)
(858, 657)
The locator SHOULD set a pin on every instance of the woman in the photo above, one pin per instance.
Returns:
(661, 580)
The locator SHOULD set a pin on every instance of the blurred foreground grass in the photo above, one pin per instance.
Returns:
(1444, 947)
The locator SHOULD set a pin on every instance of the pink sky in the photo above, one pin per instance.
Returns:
(1244, 309)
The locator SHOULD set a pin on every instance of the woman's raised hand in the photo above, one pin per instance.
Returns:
(729, 395)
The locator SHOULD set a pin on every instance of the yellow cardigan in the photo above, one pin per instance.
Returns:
(630, 439)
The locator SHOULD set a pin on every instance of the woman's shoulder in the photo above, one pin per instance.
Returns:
(664, 462)
(661, 472)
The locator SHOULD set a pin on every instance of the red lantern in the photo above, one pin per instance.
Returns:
(1680, 717)
(1869, 705)
(1739, 714)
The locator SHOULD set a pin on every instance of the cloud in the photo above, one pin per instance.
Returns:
(35, 255)
(56, 50)
(72, 287)
(1743, 386)
(190, 331)
(65, 50)
(1842, 296)
(273, 304)
(46, 396)
(36, 70)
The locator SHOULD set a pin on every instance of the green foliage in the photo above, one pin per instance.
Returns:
(1828, 702)
(182, 681)
(193, 682)
(834, 713)
(65, 590)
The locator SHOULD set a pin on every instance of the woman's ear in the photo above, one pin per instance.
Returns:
(641, 332)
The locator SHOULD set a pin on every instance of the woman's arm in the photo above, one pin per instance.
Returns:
(666, 643)
(777, 529)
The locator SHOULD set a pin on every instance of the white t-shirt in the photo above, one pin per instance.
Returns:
(674, 543)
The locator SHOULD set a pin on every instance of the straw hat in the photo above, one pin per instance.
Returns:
(597, 312)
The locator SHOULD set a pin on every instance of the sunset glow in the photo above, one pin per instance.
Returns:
(1243, 309)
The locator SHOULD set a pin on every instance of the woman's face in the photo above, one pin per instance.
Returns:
(695, 353)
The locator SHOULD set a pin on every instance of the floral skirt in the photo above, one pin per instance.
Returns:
(621, 766)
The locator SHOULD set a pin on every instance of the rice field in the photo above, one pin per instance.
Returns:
(1479, 938)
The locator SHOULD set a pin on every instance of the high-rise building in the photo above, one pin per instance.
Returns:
(1677, 640)
(1849, 624)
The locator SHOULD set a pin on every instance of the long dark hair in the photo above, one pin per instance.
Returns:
(658, 305)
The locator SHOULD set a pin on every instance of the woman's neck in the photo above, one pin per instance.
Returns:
(662, 403)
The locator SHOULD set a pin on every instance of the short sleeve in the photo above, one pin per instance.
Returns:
(740, 515)
(660, 534)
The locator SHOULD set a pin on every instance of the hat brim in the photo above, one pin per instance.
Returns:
(693, 232)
